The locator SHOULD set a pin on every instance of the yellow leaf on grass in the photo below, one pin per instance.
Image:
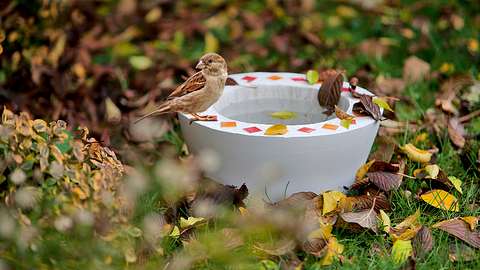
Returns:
(472, 222)
(401, 250)
(324, 232)
(362, 171)
(333, 250)
(284, 115)
(432, 171)
(457, 183)
(382, 103)
(385, 221)
(416, 154)
(175, 232)
(441, 199)
(278, 129)
(190, 222)
(331, 200)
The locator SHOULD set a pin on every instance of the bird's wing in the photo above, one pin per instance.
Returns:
(194, 83)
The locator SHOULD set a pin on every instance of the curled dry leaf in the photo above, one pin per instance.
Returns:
(366, 201)
(416, 154)
(456, 132)
(423, 242)
(448, 92)
(367, 107)
(342, 114)
(329, 93)
(472, 221)
(230, 81)
(331, 201)
(366, 218)
(460, 229)
(441, 199)
(297, 200)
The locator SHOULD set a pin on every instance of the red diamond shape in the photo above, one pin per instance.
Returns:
(252, 129)
(299, 79)
(249, 78)
(306, 129)
(345, 89)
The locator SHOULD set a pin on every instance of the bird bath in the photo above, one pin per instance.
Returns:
(316, 154)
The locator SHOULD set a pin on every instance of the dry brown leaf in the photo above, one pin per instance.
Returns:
(461, 230)
(342, 114)
(296, 201)
(366, 218)
(315, 247)
(448, 92)
(456, 132)
(386, 148)
(329, 93)
(423, 242)
(390, 86)
(233, 238)
(362, 202)
(385, 181)
(279, 248)
(231, 81)
(366, 106)
(415, 69)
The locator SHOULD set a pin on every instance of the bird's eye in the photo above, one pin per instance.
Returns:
(210, 61)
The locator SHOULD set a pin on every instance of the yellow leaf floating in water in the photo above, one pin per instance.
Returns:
(401, 250)
(278, 129)
(331, 200)
(284, 115)
(441, 199)
(416, 154)
(382, 103)
(457, 183)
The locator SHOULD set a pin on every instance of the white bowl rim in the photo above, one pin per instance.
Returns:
(286, 79)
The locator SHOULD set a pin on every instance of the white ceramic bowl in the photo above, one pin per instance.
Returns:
(316, 154)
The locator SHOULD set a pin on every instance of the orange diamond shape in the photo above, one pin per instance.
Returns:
(275, 77)
(330, 126)
(228, 124)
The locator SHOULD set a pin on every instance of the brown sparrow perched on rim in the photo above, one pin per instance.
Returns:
(198, 92)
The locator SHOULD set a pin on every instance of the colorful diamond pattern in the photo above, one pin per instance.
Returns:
(249, 78)
(306, 129)
(275, 78)
(229, 124)
(252, 129)
(330, 126)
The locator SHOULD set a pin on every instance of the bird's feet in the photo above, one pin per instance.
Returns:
(197, 117)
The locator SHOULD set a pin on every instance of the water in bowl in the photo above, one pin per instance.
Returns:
(260, 111)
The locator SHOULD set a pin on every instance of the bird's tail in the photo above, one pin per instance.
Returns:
(162, 109)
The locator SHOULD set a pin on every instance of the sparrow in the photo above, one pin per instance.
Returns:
(198, 92)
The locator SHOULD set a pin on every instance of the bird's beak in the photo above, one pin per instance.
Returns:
(200, 65)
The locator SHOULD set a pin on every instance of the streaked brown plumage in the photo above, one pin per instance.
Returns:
(198, 92)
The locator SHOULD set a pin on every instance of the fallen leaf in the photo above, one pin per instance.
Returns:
(415, 69)
(448, 92)
(297, 200)
(363, 202)
(341, 114)
(385, 181)
(312, 76)
(278, 129)
(401, 251)
(456, 132)
(233, 238)
(346, 123)
(386, 223)
(279, 248)
(441, 199)
(284, 115)
(382, 103)
(410, 221)
(324, 232)
(140, 62)
(416, 154)
(366, 218)
(460, 229)
(390, 86)
(331, 200)
(329, 92)
(457, 183)
(472, 222)
(333, 250)
(230, 81)
(175, 233)
(366, 106)
(423, 242)
(190, 222)
(112, 112)
(385, 149)
(362, 171)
